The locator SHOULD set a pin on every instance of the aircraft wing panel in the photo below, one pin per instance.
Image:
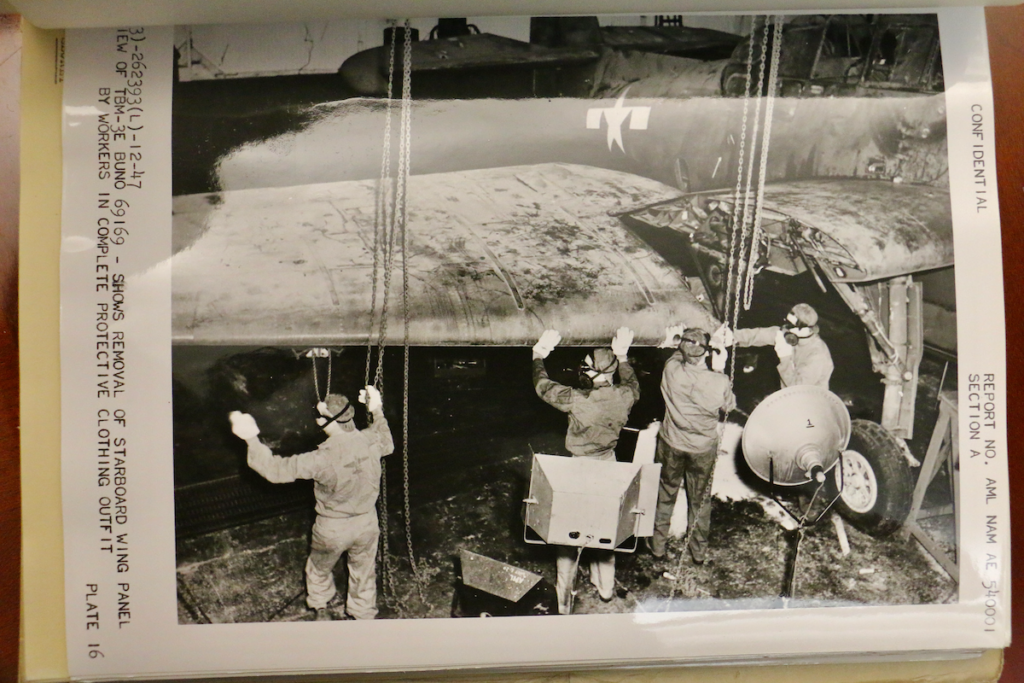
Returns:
(495, 257)
(888, 228)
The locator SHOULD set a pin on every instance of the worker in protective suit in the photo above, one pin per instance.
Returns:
(597, 413)
(695, 397)
(804, 357)
(345, 470)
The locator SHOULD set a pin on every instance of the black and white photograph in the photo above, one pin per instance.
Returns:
(650, 322)
(736, 229)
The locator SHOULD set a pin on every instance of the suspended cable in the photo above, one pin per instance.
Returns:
(382, 239)
(313, 354)
(405, 143)
(734, 242)
(740, 158)
(763, 171)
(744, 236)
(390, 235)
(381, 207)
(746, 220)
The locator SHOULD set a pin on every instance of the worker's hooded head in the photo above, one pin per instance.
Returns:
(598, 368)
(801, 323)
(694, 343)
(336, 410)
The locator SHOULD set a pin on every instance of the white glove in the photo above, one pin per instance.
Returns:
(546, 344)
(321, 408)
(371, 397)
(673, 335)
(718, 359)
(243, 425)
(782, 347)
(723, 337)
(622, 341)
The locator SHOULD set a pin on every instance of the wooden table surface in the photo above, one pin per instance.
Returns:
(1006, 39)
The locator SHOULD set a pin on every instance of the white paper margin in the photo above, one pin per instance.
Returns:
(155, 644)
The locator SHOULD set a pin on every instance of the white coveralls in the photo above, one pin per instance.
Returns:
(595, 419)
(811, 362)
(345, 470)
(688, 447)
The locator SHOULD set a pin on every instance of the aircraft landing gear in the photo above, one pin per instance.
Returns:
(877, 483)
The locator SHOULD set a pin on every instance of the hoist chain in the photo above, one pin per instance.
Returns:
(381, 205)
(381, 238)
(393, 201)
(745, 221)
(403, 175)
(316, 381)
(741, 156)
(769, 109)
(386, 570)
(389, 261)
(755, 143)
(743, 250)
(734, 242)
(392, 213)
(738, 237)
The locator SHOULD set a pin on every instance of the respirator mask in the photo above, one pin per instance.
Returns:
(794, 331)
(589, 371)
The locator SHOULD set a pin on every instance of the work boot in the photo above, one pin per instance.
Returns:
(649, 544)
(700, 560)
(327, 612)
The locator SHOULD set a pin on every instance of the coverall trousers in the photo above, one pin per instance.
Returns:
(333, 536)
(602, 573)
(696, 470)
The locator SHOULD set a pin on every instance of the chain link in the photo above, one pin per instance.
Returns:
(316, 382)
(387, 571)
(734, 242)
(382, 237)
(405, 145)
(744, 249)
(763, 170)
(397, 197)
(381, 215)
(392, 213)
(741, 156)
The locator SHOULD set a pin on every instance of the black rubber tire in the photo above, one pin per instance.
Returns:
(895, 483)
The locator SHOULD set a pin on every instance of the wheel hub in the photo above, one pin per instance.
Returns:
(860, 486)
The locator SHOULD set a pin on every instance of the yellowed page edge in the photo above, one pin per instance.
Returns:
(44, 650)
(45, 654)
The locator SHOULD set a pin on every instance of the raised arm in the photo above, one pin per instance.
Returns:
(550, 391)
(273, 468)
(620, 347)
(756, 336)
(278, 470)
(379, 431)
(627, 378)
